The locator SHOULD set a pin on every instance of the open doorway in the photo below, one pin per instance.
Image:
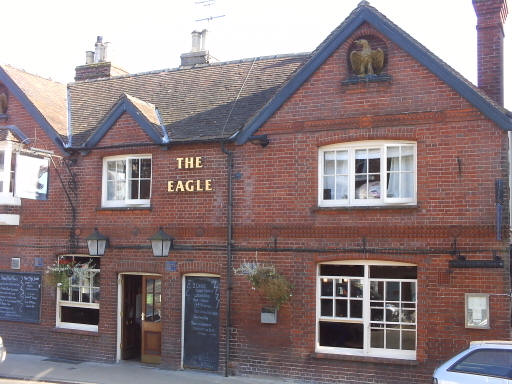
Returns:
(139, 320)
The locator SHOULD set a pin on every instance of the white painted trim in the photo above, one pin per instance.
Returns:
(351, 147)
(120, 307)
(366, 351)
(183, 307)
(9, 219)
(126, 202)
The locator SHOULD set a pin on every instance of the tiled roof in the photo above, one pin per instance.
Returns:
(48, 96)
(204, 102)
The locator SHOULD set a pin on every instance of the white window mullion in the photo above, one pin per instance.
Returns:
(366, 310)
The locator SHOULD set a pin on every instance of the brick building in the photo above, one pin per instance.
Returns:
(368, 174)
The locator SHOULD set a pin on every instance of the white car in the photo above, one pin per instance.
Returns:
(3, 351)
(487, 362)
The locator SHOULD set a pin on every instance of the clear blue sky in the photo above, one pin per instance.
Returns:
(50, 37)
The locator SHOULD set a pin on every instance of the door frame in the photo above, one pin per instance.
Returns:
(120, 275)
(184, 277)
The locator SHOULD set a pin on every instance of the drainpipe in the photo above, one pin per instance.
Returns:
(229, 240)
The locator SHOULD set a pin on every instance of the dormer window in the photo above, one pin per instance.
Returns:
(368, 173)
(126, 181)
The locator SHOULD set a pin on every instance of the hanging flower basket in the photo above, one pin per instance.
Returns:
(58, 274)
(269, 283)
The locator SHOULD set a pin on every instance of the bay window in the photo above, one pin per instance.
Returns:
(367, 309)
(367, 174)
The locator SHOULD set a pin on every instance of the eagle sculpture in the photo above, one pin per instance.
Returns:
(3, 103)
(367, 61)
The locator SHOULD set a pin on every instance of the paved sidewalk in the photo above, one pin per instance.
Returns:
(34, 367)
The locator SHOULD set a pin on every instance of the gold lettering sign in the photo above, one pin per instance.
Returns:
(189, 185)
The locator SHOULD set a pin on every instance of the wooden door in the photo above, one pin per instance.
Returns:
(151, 348)
(201, 322)
(131, 316)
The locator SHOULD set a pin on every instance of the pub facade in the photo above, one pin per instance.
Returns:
(336, 216)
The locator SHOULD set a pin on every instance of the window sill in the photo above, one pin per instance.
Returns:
(364, 359)
(127, 208)
(76, 331)
(365, 207)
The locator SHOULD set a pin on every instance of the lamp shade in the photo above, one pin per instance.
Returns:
(161, 243)
(97, 242)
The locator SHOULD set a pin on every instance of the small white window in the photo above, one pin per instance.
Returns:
(367, 174)
(78, 301)
(7, 168)
(367, 309)
(126, 181)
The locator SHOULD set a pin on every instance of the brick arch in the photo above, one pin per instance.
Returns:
(201, 267)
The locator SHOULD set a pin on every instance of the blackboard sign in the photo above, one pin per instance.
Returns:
(201, 339)
(20, 296)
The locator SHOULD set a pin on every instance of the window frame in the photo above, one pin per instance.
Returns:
(126, 202)
(351, 148)
(6, 196)
(367, 350)
(76, 304)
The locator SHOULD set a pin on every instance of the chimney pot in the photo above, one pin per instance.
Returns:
(89, 57)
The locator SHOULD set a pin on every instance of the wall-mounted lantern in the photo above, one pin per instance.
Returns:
(97, 242)
(161, 242)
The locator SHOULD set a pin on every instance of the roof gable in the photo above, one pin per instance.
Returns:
(44, 100)
(365, 13)
(145, 114)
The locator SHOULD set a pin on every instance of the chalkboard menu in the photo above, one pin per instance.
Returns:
(201, 339)
(20, 296)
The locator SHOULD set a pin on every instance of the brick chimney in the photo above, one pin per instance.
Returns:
(491, 15)
(198, 54)
(96, 64)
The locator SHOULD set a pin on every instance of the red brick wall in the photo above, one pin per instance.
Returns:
(275, 207)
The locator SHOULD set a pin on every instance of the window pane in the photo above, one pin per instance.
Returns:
(328, 187)
(329, 163)
(356, 309)
(326, 307)
(95, 295)
(494, 362)
(408, 316)
(389, 272)
(392, 313)
(96, 279)
(326, 287)
(111, 192)
(374, 160)
(133, 192)
(341, 270)
(145, 171)
(341, 162)
(393, 339)
(111, 170)
(376, 290)
(361, 161)
(145, 189)
(407, 185)
(75, 294)
(341, 187)
(377, 314)
(356, 288)
(121, 169)
(80, 315)
(392, 290)
(408, 340)
(361, 187)
(342, 288)
(343, 335)
(134, 165)
(341, 308)
(407, 158)
(377, 338)
(408, 291)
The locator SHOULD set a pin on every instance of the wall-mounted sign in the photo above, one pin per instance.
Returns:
(196, 185)
(477, 310)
